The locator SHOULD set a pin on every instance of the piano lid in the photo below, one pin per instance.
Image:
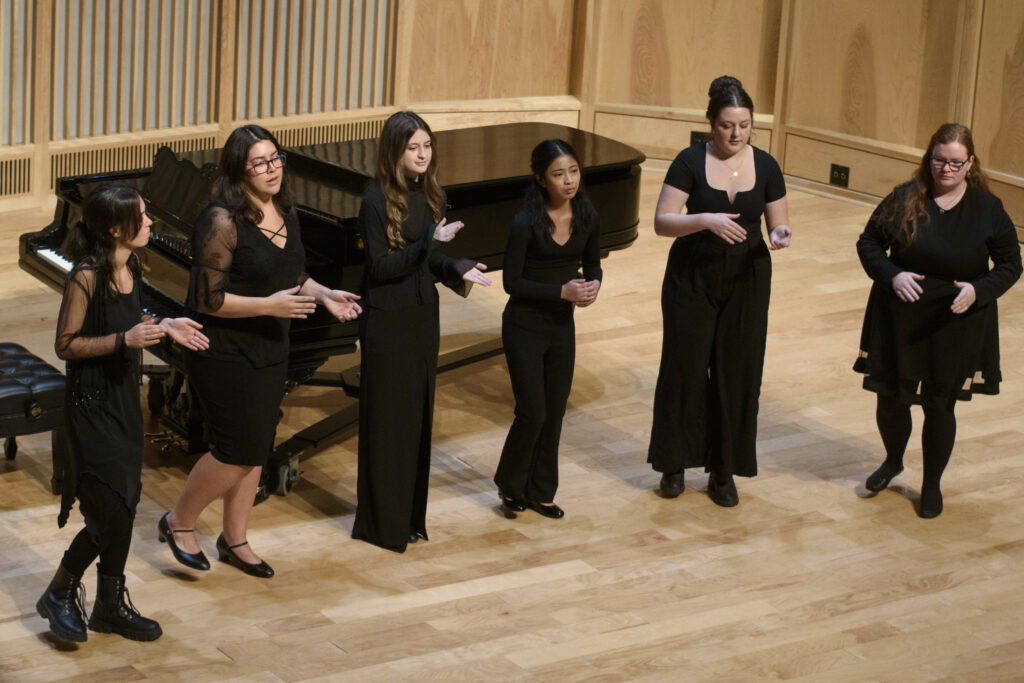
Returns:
(468, 156)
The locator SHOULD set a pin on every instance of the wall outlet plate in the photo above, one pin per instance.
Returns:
(839, 175)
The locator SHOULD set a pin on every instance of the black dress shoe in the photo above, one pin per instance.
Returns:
(510, 506)
(166, 535)
(930, 505)
(880, 478)
(550, 510)
(226, 553)
(672, 484)
(413, 537)
(723, 493)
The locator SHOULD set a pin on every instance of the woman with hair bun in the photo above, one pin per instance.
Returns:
(931, 332)
(101, 330)
(552, 236)
(714, 298)
(402, 221)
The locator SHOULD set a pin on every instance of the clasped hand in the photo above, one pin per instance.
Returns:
(581, 292)
(724, 225)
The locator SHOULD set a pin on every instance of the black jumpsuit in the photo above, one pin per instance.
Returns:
(539, 337)
(399, 337)
(714, 303)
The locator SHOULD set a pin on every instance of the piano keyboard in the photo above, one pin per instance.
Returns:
(55, 259)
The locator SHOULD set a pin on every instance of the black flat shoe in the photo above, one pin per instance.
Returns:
(672, 484)
(413, 537)
(510, 506)
(166, 535)
(723, 494)
(226, 553)
(551, 510)
(880, 478)
(930, 505)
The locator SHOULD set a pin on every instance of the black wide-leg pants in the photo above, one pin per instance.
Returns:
(715, 307)
(540, 348)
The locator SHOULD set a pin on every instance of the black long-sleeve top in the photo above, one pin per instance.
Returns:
(952, 245)
(536, 266)
(405, 277)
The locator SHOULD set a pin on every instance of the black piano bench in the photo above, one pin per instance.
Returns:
(32, 401)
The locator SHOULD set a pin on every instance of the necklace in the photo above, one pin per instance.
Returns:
(734, 171)
(950, 199)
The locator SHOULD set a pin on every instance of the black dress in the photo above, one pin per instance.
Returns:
(103, 414)
(907, 346)
(240, 379)
(398, 340)
(539, 338)
(714, 303)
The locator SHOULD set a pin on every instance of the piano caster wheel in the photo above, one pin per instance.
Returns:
(286, 478)
(10, 448)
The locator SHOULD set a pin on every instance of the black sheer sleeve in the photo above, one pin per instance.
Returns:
(70, 344)
(213, 248)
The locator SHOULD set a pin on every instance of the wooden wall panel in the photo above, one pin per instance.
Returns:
(999, 101)
(484, 49)
(876, 69)
(666, 52)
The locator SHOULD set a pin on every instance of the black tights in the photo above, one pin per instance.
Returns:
(107, 533)
(937, 435)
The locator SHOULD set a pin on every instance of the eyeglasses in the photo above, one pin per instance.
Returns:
(939, 164)
(262, 167)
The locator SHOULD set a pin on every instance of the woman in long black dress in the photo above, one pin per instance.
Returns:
(553, 234)
(402, 222)
(247, 283)
(931, 333)
(100, 331)
(714, 299)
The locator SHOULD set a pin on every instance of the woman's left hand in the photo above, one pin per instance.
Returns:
(341, 304)
(778, 238)
(591, 289)
(965, 299)
(475, 275)
(185, 331)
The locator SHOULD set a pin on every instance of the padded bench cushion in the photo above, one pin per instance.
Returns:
(31, 393)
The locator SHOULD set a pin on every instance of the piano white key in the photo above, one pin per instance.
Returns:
(55, 259)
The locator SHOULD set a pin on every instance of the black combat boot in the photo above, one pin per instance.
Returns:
(63, 605)
(113, 612)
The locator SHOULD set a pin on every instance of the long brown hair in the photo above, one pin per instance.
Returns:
(394, 137)
(909, 207)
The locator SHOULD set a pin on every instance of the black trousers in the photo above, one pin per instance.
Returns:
(107, 533)
(714, 303)
(540, 348)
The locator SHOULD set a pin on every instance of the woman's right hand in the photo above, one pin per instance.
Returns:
(725, 226)
(143, 335)
(906, 287)
(579, 290)
(445, 231)
(289, 304)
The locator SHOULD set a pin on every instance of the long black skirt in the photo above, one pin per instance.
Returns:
(396, 413)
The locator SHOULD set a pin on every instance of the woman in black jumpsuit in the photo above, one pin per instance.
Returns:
(247, 282)
(714, 299)
(100, 331)
(553, 234)
(402, 223)
(931, 332)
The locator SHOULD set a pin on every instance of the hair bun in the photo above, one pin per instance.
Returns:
(723, 82)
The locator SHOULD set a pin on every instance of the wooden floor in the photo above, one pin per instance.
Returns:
(807, 579)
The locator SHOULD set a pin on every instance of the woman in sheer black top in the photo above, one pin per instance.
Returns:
(247, 283)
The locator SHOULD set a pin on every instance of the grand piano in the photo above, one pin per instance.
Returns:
(483, 170)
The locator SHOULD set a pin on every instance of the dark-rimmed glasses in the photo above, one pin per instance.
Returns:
(262, 167)
(939, 164)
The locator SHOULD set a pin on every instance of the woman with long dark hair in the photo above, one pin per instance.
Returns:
(100, 331)
(247, 283)
(403, 224)
(554, 234)
(714, 299)
(931, 332)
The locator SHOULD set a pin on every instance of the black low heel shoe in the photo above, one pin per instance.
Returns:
(510, 506)
(673, 484)
(166, 535)
(226, 553)
(880, 478)
(930, 505)
(723, 493)
(552, 510)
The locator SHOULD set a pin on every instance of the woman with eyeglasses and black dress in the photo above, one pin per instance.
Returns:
(931, 334)
(247, 282)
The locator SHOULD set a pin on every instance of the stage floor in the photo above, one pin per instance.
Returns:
(806, 579)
